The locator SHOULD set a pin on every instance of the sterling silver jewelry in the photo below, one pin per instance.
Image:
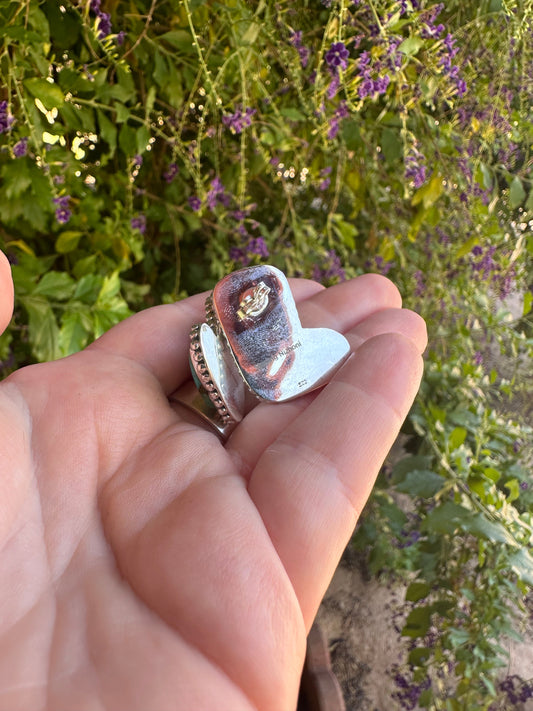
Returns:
(253, 347)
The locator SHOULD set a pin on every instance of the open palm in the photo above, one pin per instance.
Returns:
(144, 564)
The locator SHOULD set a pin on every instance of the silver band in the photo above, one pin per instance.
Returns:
(189, 396)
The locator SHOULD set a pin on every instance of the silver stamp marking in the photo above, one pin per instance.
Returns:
(289, 349)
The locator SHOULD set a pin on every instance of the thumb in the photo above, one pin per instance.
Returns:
(6, 292)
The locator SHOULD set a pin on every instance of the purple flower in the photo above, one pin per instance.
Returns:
(381, 84)
(217, 195)
(237, 254)
(420, 284)
(239, 120)
(415, 167)
(334, 123)
(337, 56)
(104, 24)
(257, 245)
(6, 120)
(195, 203)
(366, 88)
(63, 213)
(104, 19)
(170, 172)
(461, 87)
(138, 223)
(330, 269)
(121, 36)
(21, 148)
(382, 266)
(334, 85)
(296, 40)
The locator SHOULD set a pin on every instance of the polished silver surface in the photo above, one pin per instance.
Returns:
(277, 357)
(215, 373)
(253, 347)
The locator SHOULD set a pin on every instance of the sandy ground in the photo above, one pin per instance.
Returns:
(358, 618)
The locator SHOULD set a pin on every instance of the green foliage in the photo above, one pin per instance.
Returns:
(147, 148)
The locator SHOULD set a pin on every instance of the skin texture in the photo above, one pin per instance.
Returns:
(144, 565)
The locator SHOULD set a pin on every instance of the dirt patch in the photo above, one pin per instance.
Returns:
(359, 618)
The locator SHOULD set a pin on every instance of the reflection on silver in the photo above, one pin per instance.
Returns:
(215, 375)
(253, 347)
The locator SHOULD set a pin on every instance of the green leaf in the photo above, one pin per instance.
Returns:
(391, 145)
(456, 438)
(411, 46)
(292, 114)
(88, 288)
(42, 328)
(528, 303)
(37, 19)
(160, 69)
(521, 563)
(110, 288)
(446, 518)
(419, 656)
(68, 241)
(486, 175)
(49, 93)
(458, 637)
(417, 591)
(142, 137)
(108, 130)
(467, 247)
(180, 39)
(410, 463)
(251, 33)
(16, 177)
(72, 335)
(422, 482)
(513, 486)
(125, 82)
(56, 285)
(517, 194)
(493, 474)
(430, 192)
(65, 23)
(127, 140)
(493, 531)
(417, 623)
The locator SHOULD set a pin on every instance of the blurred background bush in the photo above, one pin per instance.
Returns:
(148, 147)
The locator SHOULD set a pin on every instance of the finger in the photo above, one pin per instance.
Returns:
(267, 421)
(158, 338)
(345, 304)
(312, 482)
(6, 292)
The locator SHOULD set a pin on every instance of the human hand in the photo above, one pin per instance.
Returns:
(144, 564)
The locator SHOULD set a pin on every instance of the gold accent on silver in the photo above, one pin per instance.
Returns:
(210, 315)
(254, 304)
